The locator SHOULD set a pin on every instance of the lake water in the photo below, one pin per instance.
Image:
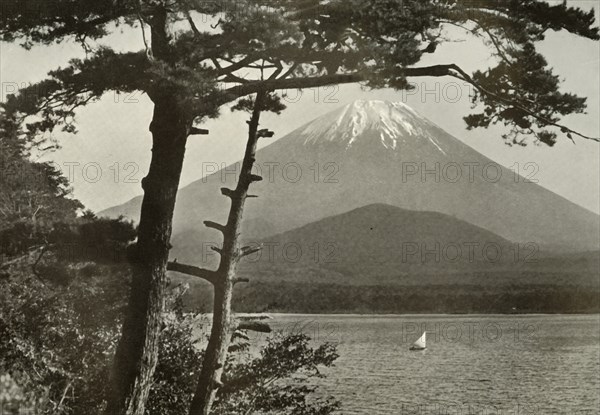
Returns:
(484, 364)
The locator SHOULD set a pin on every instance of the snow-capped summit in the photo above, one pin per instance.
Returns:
(383, 121)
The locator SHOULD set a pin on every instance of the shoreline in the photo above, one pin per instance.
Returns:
(423, 314)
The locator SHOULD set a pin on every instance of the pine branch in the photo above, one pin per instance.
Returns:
(214, 225)
(249, 250)
(451, 70)
(198, 131)
(193, 271)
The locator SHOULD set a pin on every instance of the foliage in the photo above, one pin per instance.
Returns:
(101, 240)
(56, 341)
(36, 207)
(528, 79)
(33, 195)
(178, 367)
(279, 380)
(271, 103)
(299, 44)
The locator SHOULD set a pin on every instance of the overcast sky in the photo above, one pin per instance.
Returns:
(113, 136)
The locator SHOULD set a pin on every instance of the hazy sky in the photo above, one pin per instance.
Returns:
(108, 157)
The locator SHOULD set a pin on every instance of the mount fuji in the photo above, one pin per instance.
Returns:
(377, 152)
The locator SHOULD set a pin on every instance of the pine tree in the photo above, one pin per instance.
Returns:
(281, 44)
(33, 195)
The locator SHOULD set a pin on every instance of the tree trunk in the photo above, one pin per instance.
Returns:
(137, 351)
(222, 326)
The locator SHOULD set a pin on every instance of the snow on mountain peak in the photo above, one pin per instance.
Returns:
(391, 122)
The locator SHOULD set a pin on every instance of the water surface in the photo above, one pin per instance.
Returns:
(484, 364)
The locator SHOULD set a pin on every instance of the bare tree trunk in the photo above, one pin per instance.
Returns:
(224, 279)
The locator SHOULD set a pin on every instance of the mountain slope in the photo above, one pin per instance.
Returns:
(378, 152)
(379, 241)
(384, 259)
(383, 244)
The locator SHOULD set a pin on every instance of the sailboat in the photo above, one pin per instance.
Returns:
(420, 343)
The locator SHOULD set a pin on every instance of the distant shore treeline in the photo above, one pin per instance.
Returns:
(334, 298)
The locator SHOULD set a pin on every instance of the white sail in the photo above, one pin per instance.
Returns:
(420, 343)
